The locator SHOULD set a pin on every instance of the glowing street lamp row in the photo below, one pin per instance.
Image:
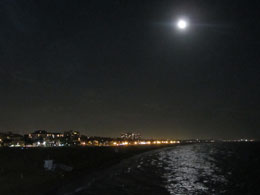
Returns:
(126, 143)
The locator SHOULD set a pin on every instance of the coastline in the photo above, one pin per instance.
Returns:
(22, 169)
(82, 183)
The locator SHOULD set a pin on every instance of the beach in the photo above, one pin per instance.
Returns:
(22, 169)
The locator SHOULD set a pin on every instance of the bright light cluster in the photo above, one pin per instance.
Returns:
(182, 24)
(126, 143)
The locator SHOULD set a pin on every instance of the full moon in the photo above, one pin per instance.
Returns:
(182, 24)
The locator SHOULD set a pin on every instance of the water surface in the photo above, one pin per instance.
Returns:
(185, 169)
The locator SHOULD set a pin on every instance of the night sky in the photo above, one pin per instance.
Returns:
(105, 67)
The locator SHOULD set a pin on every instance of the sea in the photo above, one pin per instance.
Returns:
(205, 168)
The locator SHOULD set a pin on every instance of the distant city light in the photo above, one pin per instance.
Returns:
(42, 138)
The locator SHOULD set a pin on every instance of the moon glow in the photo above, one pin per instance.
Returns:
(182, 24)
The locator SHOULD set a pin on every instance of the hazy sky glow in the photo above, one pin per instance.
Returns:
(103, 67)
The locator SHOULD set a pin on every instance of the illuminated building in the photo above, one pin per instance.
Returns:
(44, 138)
(71, 138)
(130, 136)
(12, 140)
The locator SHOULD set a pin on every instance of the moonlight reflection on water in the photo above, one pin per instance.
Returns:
(188, 169)
(184, 169)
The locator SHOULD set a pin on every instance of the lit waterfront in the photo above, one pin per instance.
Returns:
(132, 143)
(43, 138)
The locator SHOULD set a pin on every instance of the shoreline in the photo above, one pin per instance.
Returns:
(95, 175)
(22, 169)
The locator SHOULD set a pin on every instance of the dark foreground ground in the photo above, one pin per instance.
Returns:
(216, 168)
(22, 171)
